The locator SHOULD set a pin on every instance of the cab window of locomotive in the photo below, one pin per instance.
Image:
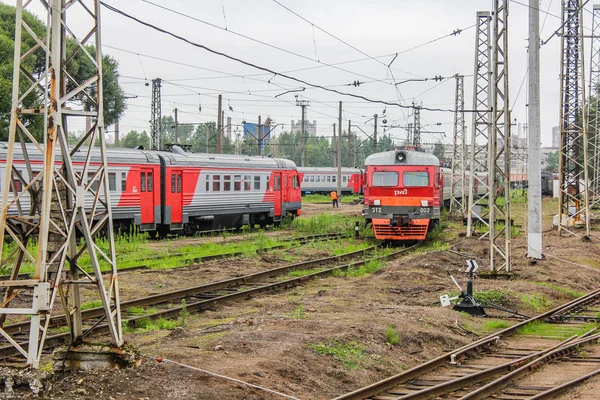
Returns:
(247, 183)
(227, 183)
(150, 181)
(216, 183)
(295, 182)
(178, 183)
(416, 178)
(387, 178)
(257, 183)
(143, 182)
(173, 183)
(123, 182)
(112, 181)
(237, 183)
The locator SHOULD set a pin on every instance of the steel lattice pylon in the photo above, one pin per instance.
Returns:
(459, 149)
(417, 126)
(573, 158)
(499, 144)
(594, 112)
(56, 194)
(477, 207)
(156, 117)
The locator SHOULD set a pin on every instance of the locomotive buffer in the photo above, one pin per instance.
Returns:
(468, 303)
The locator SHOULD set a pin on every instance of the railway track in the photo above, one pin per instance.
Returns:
(195, 258)
(202, 297)
(502, 365)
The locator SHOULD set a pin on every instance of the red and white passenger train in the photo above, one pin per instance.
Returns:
(403, 194)
(323, 180)
(161, 192)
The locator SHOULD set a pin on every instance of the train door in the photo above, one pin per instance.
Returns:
(176, 196)
(147, 195)
(277, 193)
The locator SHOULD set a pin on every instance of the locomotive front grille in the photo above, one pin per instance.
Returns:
(410, 232)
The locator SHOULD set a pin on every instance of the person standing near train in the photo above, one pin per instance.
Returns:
(334, 199)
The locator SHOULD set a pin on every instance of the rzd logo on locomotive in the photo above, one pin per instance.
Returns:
(400, 192)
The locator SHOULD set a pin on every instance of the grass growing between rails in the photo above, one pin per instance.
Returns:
(349, 354)
(491, 326)
(539, 328)
(322, 198)
(328, 222)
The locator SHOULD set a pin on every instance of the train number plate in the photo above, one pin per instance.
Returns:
(375, 210)
(425, 210)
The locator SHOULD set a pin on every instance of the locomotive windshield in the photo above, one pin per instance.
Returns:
(388, 178)
(416, 179)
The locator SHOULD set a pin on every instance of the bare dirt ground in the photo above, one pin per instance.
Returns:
(270, 340)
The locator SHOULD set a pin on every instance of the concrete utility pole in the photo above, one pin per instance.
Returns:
(477, 211)
(220, 125)
(302, 104)
(573, 197)
(259, 137)
(534, 195)
(339, 156)
(117, 139)
(375, 134)
(56, 216)
(156, 117)
(176, 127)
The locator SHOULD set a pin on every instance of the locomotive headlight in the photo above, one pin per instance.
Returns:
(401, 156)
(424, 203)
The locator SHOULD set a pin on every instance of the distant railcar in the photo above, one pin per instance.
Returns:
(323, 180)
(403, 194)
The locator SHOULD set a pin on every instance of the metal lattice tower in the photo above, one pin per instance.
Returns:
(409, 134)
(459, 149)
(416, 126)
(55, 194)
(499, 144)
(573, 162)
(156, 117)
(594, 111)
(477, 207)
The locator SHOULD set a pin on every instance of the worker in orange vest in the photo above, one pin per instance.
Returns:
(334, 199)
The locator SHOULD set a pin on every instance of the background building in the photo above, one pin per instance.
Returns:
(309, 128)
(555, 137)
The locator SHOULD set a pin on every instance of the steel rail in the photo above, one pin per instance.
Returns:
(53, 340)
(428, 366)
(555, 391)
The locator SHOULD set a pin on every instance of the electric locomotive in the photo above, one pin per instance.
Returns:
(403, 194)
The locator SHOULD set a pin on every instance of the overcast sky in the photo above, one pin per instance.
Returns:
(192, 76)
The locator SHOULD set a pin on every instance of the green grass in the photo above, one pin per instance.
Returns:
(147, 324)
(91, 304)
(322, 198)
(539, 328)
(366, 269)
(302, 272)
(349, 354)
(392, 336)
(570, 292)
(140, 310)
(299, 312)
(495, 325)
(536, 301)
(485, 296)
(328, 222)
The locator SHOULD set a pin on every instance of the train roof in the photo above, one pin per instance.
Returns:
(325, 170)
(222, 160)
(402, 157)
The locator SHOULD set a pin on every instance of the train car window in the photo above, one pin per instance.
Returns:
(295, 182)
(277, 183)
(333, 178)
(328, 178)
(416, 179)
(207, 183)
(216, 186)
(387, 178)
(237, 183)
(94, 183)
(312, 178)
(112, 181)
(178, 183)
(123, 182)
(227, 183)
(142, 181)
(173, 183)
(17, 182)
(247, 183)
(257, 183)
(267, 180)
(150, 184)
